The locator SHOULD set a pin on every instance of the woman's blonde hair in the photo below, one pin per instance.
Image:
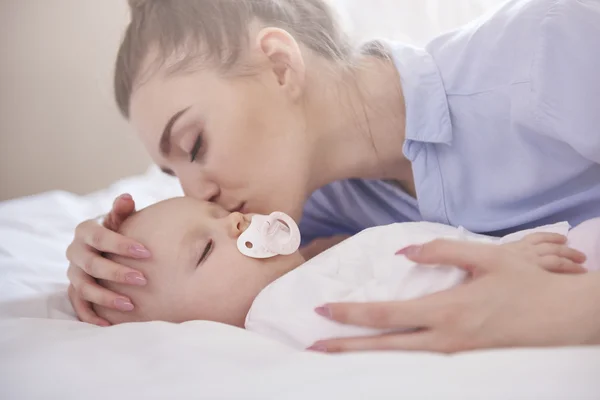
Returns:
(216, 32)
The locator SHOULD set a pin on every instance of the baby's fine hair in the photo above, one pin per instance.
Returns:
(215, 33)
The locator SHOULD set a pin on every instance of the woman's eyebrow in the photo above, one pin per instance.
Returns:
(165, 139)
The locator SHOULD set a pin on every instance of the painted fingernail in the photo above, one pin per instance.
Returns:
(409, 251)
(318, 347)
(139, 251)
(323, 311)
(123, 305)
(122, 197)
(135, 278)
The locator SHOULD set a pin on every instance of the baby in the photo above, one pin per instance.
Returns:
(197, 272)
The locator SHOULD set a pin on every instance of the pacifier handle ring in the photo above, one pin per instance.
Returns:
(293, 242)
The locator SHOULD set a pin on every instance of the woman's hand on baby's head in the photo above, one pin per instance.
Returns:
(550, 251)
(87, 263)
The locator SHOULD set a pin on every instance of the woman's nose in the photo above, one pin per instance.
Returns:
(237, 223)
(201, 190)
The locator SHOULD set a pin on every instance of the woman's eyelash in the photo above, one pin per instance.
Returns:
(206, 251)
(196, 148)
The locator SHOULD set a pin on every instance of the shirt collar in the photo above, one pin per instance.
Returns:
(427, 112)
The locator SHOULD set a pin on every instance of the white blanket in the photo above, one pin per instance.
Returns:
(46, 354)
(363, 268)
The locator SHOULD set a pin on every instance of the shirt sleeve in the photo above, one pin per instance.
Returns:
(320, 218)
(566, 75)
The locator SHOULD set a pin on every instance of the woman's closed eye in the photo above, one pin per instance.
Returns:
(196, 148)
(207, 250)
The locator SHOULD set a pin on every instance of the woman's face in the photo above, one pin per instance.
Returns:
(239, 142)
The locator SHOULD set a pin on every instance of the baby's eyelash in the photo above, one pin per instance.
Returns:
(206, 252)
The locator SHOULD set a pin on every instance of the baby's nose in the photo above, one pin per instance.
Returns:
(238, 223)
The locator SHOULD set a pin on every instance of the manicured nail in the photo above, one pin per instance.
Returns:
(135, 278)
(103, 323)
(122, 197)
(123, 305)
(323, 311)
(318, 347)
(409, 251)
(138, 250)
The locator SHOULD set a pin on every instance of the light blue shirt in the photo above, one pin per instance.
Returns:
(502, 127)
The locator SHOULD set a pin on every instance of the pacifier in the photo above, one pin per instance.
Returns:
(269, 236)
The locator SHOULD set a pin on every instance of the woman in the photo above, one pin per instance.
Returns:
(261, 105)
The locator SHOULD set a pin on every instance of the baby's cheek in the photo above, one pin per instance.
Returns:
(586, 238)
(183, 302)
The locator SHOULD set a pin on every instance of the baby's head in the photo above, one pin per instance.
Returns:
(196, 271)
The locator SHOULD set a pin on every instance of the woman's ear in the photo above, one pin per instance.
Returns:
(285, 59)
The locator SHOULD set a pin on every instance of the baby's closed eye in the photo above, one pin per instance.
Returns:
(208, 247)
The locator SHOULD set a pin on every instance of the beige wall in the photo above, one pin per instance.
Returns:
(59, 127)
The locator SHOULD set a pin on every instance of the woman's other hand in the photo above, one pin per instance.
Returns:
(512, 300)
(87, 263)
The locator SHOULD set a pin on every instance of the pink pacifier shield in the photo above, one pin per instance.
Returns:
(269, 236)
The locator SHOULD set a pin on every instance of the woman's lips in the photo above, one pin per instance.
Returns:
(239, 208)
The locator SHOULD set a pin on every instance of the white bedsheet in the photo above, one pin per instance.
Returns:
(46, 354)
(198, 360)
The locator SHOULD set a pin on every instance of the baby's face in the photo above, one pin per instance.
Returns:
(196, 271)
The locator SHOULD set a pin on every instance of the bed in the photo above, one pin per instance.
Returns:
(45, 353)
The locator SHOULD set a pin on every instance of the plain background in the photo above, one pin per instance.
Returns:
(59, 126)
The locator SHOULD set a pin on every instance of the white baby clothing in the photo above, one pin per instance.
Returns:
(363, 268)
